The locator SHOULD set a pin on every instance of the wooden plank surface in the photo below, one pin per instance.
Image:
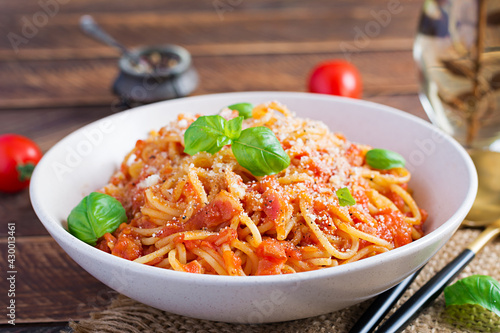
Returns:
(57, 65)
(57, 83)
(306, 24)
(59, 80)
(49, 285)
(23, 7)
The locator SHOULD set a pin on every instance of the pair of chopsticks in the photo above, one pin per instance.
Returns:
(411, 308)
(423, 297)
(381, 306)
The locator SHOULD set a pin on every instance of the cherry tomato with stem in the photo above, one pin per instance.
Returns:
(336, 77)
(18, 157)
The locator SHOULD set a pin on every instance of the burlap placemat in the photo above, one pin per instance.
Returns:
(126, 315)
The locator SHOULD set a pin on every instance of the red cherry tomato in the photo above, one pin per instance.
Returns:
(336, 77)
(18, 157)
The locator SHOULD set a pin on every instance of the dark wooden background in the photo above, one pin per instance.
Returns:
(58, 80)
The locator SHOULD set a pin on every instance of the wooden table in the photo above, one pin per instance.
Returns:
(54, 79)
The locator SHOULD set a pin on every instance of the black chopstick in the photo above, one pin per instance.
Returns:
(426, 295)
(381, 306)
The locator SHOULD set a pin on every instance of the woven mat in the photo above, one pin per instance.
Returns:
(126, 315)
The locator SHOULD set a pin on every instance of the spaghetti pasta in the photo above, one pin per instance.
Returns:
(207, 214)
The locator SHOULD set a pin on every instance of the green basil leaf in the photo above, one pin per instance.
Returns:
(222, 141)
(474, 302)
(94, 216)
(244, 109)
(259, 151)
(233, 128)
(476, 289)
(345, 197)
(207, 133)
(384, 159)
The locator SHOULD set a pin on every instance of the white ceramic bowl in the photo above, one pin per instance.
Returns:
(443, 178)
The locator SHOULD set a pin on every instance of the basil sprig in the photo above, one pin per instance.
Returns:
(345, 197)
(244, 109)
(210, 134)
(94, 216)
(256, 148)
(474, 302)
(384, 159)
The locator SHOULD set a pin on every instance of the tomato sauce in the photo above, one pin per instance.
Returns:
(393, 227)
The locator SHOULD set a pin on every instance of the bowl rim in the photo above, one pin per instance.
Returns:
(60, 234)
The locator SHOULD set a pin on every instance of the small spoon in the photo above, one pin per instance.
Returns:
(484, 212)
(91, 28)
